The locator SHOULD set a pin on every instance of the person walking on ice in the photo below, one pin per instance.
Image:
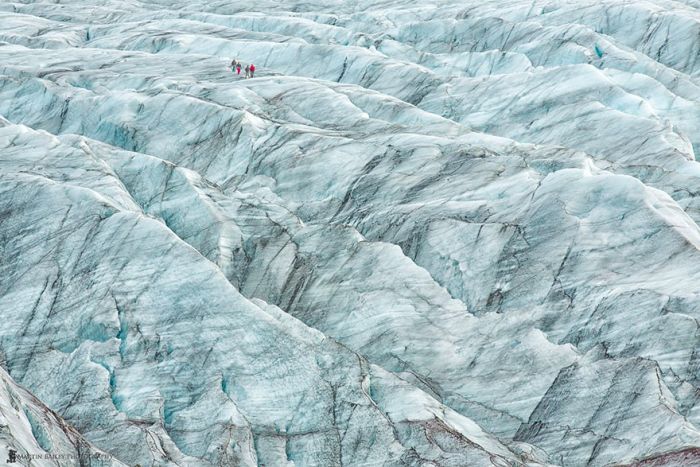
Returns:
(236, 65)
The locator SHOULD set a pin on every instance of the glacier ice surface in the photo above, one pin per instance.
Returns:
(446, 233)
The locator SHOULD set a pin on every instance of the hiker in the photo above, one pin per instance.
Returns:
(252, 70)
(247, 71)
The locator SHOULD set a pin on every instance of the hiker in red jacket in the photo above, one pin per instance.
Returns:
(252, 70)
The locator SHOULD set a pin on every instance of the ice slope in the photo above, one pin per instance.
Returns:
(33, 431)
(453, 233)
(145, 346)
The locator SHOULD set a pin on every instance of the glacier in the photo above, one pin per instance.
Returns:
(426, 234)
